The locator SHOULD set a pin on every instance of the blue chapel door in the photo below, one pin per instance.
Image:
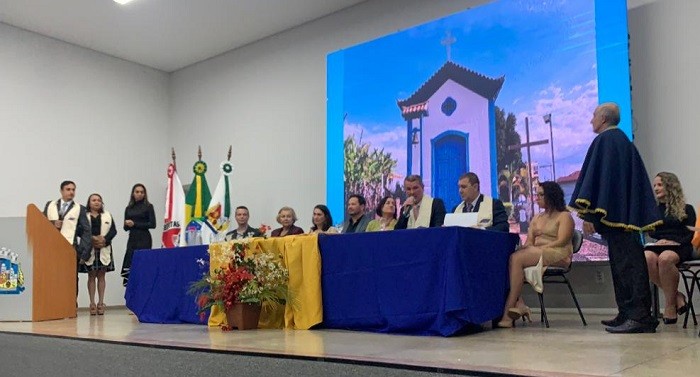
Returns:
(450, 160)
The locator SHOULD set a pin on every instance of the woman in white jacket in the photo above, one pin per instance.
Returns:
(100, 260)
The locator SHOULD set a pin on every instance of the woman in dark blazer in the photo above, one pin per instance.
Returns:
(672, 246)
(139, 217)
(287, 217)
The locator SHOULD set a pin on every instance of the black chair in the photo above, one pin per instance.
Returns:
(690, 271)
(557, 275)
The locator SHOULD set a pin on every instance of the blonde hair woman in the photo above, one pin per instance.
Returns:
(287, 217)
(673, 244)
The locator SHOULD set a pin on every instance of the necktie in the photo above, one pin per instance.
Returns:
(64, 207)
(468, 207)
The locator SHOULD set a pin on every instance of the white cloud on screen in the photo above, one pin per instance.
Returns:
(571, 110)
(390, 137)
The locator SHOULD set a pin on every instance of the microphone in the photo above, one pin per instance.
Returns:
(407, 210)
(408, 207)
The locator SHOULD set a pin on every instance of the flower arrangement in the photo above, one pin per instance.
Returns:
(264, 229)
(248, 274)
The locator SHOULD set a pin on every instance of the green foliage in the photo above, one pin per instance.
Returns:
(507, 135)
(367, 173)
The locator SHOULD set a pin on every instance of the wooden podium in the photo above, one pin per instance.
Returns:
(54, 269)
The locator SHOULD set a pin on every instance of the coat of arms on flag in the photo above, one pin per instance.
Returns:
(11, 276)
(174, 221)
(219, 212)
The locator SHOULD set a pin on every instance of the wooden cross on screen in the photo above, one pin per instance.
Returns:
(527, 144)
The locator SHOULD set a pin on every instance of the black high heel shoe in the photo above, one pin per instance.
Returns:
(670, 321)
(680, 310)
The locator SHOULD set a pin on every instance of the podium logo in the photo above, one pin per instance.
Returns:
(11, 276)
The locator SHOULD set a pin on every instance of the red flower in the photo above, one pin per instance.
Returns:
(202, 300)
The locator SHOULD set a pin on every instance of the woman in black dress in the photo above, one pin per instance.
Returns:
(100, 261)
(673, 243)
(139, 217)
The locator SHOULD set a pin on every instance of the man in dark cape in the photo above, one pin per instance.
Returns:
(613, 196)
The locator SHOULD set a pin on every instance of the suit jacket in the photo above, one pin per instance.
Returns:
(361, 226)
(499, 221)
(437, 215)
(82, 240)
(254, 232)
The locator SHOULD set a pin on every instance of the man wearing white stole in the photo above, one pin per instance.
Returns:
(70, 218)
(420, 210)
(491, 214)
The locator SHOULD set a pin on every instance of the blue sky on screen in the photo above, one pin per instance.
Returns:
(546, 50)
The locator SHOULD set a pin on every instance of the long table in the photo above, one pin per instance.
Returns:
(158, 284)
(425, 281)
(159, 280)
(432, 281)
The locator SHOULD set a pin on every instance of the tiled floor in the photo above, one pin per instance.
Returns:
(565, 349)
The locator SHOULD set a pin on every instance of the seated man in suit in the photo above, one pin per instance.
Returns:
(357, 220)
(420, 210)
(243, 230)
(491, 212)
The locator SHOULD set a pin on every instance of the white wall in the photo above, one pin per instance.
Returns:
(71, 113)
(665, 83)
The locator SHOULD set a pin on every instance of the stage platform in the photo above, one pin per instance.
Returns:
(565, 349)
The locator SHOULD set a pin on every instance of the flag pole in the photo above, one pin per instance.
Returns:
(199, 153)
(229, 152)
(172, 154)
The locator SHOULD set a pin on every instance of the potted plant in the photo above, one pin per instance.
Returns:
(250, 278)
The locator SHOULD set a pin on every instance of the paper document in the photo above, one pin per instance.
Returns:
(461, 219)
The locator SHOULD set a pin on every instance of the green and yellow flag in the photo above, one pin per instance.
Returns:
(198, 196)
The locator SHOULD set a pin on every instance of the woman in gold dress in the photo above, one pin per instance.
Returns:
(548, 244)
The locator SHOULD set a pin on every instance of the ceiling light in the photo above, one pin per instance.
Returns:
(122, 2)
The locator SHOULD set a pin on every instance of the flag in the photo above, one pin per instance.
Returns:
(198, 197)
(174, 222)
(219, 211)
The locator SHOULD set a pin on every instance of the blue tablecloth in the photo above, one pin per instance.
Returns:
(158, 284)
(423, 281)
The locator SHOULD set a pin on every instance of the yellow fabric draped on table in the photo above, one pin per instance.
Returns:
(302, 258)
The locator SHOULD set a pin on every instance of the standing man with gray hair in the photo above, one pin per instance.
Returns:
(613, 196)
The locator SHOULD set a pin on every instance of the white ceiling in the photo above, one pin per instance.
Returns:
(164, 34)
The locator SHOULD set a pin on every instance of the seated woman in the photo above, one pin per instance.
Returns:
(286, 217)
(322, 220)
(549, 243)
(673, 244)
(386, 210)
